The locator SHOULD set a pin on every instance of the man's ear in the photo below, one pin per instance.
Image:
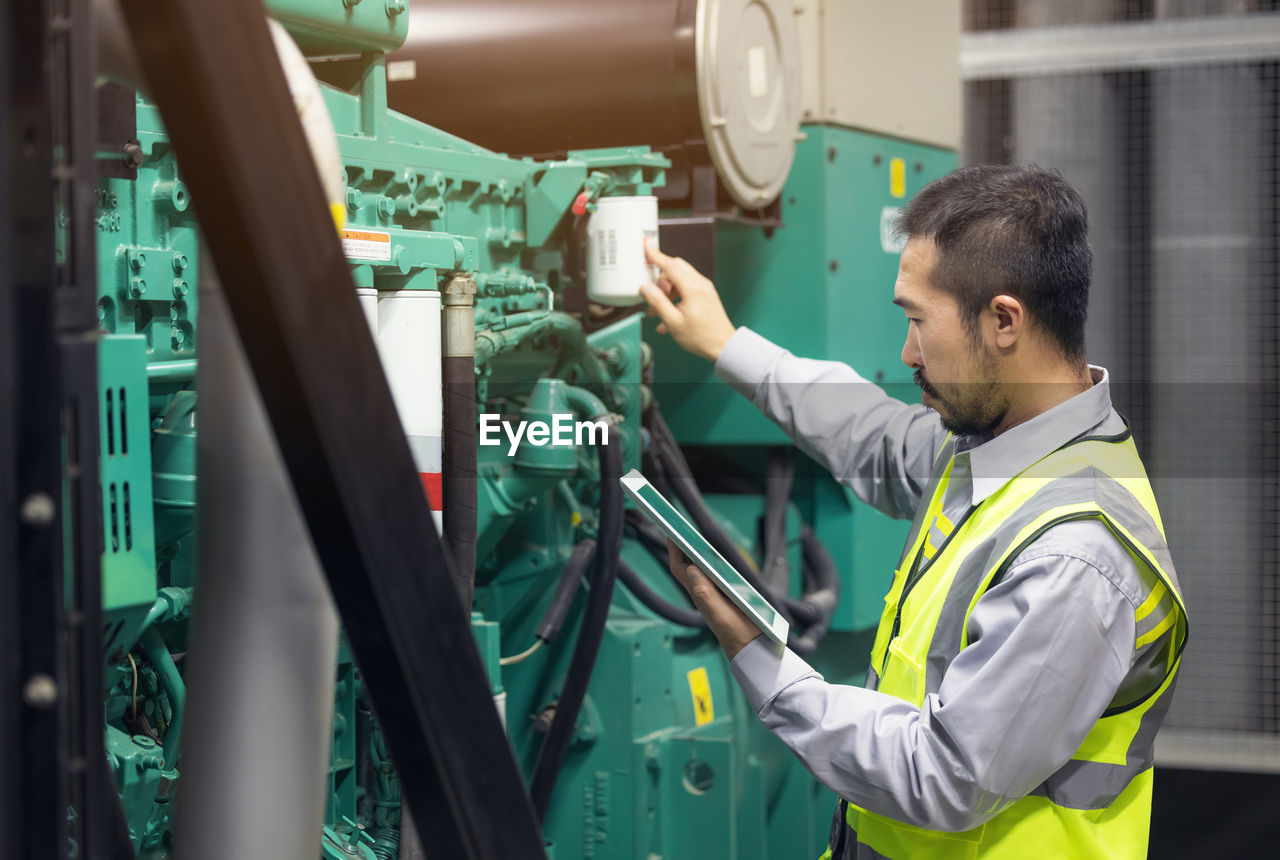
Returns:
(1010, 318)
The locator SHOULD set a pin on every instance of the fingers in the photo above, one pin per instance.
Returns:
(661, 305)
(655, 256)
(679, 274)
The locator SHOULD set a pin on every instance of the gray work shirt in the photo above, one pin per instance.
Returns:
(1053, 642)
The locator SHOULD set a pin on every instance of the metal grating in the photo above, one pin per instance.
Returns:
(1178, 160)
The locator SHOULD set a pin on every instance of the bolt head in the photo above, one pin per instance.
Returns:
(180, 288)
(137, 287)
(40, 692)
(179, 262)
(38, 510)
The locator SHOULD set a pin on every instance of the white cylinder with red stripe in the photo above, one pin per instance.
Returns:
(409, 343)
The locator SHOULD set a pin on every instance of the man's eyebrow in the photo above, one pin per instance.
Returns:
(905, 304)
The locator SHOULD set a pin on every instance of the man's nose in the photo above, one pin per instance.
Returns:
(910, 355)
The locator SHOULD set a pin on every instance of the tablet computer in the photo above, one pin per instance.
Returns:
(665, 516)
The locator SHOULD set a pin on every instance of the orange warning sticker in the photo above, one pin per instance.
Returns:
(367, 245)
(700, 688)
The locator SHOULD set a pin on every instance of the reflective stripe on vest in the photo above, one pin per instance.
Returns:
(1098, 804)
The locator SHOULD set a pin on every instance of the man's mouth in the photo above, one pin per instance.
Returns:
(924, 385)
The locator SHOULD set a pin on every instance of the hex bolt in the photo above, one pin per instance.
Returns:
(179, 262)
(178, 337)
(180, 288)
(133, 155)
(354, 198)
(40, 691)
(38, 510)
(173, 313)
(137, 259)
(386, 207)
(137, 287)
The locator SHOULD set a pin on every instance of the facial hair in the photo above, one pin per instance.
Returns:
(976, 417)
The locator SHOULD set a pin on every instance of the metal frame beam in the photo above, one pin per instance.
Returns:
(1117, 47)
(221, 91)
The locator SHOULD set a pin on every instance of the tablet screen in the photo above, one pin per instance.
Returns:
(704, 555)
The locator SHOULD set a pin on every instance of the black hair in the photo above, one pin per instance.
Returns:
(1013, 229)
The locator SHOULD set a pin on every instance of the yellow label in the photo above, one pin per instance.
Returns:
(897, 177)
(700, 687)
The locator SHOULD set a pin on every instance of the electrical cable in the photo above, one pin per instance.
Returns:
(552, 620)
(522, 656)
(655, 603)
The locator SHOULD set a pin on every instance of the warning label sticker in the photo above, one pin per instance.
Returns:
(367, 245)
(700, 687)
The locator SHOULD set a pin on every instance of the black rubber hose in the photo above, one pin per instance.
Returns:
(822, 591)
(459, 479)
(781, 473)
(603, 579)
(553, 618)
(655, 603)
(649, 536)
(683, 486)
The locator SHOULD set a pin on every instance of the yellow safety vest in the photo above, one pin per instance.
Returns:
(1098, 804)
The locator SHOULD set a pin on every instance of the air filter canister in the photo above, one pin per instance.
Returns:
(616, 231)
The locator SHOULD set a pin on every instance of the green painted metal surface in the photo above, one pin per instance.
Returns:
(129, 552)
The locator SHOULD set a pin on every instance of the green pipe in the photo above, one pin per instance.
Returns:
(167, 671)
(171, 371)
(584, 402)
(573, 344)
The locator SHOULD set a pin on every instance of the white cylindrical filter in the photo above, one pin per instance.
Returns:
(615, 249)
(369, 306)
(409, 344)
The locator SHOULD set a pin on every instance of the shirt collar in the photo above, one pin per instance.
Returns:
(993, 462)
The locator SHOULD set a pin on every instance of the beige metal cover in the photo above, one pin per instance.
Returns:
(748, 72)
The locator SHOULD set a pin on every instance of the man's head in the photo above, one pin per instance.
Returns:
(995, 282)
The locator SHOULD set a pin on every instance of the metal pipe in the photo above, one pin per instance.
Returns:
(264, 633)
(171, 371)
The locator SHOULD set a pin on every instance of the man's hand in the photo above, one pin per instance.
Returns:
(698, 322)
(727, 621)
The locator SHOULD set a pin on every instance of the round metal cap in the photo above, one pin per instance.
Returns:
(748, 72)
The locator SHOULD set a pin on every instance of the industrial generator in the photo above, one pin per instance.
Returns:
(347, 567)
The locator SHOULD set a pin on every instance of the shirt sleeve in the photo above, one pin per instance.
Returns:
(1049, 647)
(880, 447)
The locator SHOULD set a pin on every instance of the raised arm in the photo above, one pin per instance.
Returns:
(879, 446)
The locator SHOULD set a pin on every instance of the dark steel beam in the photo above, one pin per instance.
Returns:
(35, 695)
(224, 100)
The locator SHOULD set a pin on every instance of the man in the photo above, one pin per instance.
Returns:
(1030, 640)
